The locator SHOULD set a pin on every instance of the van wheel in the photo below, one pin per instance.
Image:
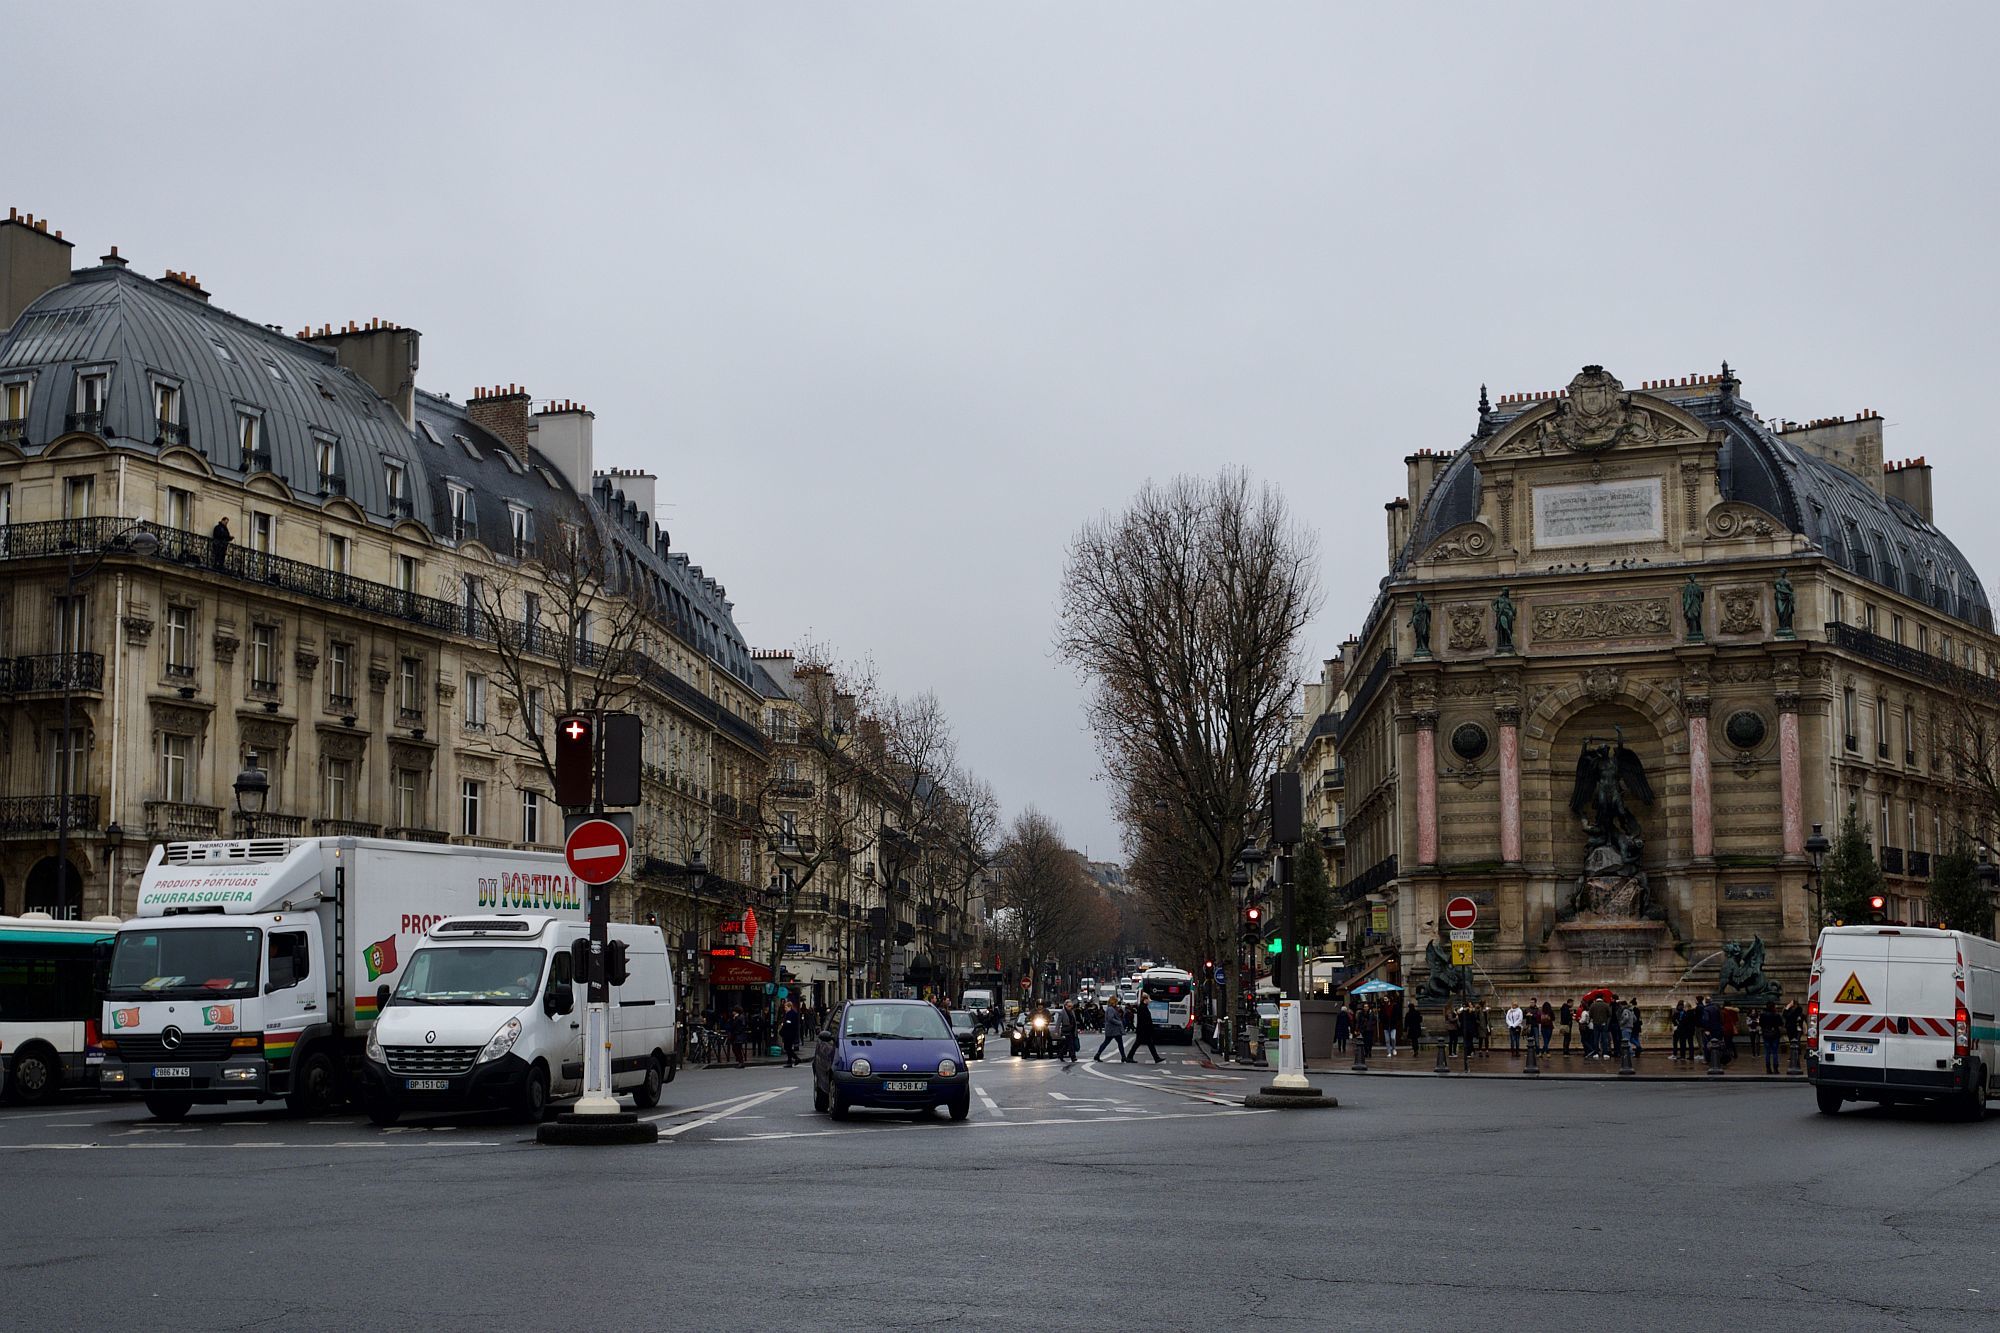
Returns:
(164, 1107)
(647, 1094)
(1829, 1100)
(1972, 1104)
(382, 1112)
(533, 1103)
(315, 1084)
(37, 1076)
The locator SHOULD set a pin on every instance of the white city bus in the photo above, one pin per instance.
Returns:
(1169, 994)
(48, 1002)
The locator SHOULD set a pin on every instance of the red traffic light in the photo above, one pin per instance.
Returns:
(1877, 903)
(1253, 914)
(576, 761)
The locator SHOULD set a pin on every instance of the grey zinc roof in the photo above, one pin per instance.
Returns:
(1871, 535)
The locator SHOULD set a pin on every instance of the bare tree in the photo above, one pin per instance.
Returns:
(1043, 891)
(1185, 613)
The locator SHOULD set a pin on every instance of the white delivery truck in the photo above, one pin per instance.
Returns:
(489, 1013)
(255, 966)
(1903, 1014)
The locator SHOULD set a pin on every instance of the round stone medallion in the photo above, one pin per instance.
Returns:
(1468, 742)
(1745, 730)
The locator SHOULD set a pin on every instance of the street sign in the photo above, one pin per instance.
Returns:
(1460, 913)
(798, 946)
(768, 988)
(1461, 937)
(596, 851)
(1461, 952)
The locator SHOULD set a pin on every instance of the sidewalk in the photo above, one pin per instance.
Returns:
(1648, 1066)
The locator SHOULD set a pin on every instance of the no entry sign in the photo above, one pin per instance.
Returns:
(596, 851)
(1459, 913)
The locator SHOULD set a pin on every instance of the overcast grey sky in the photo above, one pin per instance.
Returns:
(894, 296)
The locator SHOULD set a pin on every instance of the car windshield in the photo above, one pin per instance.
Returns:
(961, 1019)
(180, 964)
(472, 975)
(896, 1022)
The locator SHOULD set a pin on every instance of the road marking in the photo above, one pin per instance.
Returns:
(1162, 1087)
(705, 1106)
(986, 1100)
(756, 1099)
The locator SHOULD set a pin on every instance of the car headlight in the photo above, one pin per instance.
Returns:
(374, 1048)
(947, 1069)
(861, 1068)
(502, 1041)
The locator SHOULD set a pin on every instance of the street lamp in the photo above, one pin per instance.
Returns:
(1817, 847)
(252, 786)
(133, 539)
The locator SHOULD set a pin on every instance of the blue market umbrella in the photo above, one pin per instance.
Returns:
(1374, 988)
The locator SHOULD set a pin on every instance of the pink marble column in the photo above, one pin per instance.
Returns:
(1791, 799)
(1427, 789)
(1510, 784)
(1701, 798)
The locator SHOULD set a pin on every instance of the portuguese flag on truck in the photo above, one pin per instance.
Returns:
(380, 957)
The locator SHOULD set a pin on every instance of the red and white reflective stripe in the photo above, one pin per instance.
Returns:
(1918, 1027)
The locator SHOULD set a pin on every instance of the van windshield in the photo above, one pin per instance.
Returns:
(203, 962)
(472, 975)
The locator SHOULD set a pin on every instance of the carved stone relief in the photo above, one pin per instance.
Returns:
(1601, 683)
(306, 658)
(138, 629)
(1468, 627)
(1467, 541)
(1601, 620)
(225, 642)
(1735, 520)
(264, 735)
(1742, 611)
(178, 720)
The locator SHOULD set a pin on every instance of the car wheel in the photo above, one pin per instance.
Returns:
(163, 1107)
(837, 1106)
(533, 1103)
(315, 1085)
(961, 1107)
(647, 1095)
(37, 1076)
(819, 1098)
(1829, 1100)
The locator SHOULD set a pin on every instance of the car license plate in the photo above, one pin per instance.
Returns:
(1852, 1047)
(906, 1086)
(427, 1084)
(172, 1071)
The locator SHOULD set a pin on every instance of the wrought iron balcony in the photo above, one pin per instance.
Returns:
(90, 422)
(1892, 860)
(793, 789)
(401, 506)
(1904, 658)
(345, 828)
(171, 432)
(416, 834)
(258, 460)
(56, 671)
(180, 821)
(268, 825)
(1920, 864)
(40, 814)
(13, 430)
(333, 484)
(1369, 880)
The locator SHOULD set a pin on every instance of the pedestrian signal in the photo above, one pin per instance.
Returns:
(614, 963)
(1274, 945)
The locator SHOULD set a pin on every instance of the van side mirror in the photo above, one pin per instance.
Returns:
(561, 999)
(381, 997)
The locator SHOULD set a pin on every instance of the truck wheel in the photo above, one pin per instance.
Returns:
(315, 1084)
(37, 1076)
(1829, 1100)
(534, 1100)
(166, 1107)
(647, 1094)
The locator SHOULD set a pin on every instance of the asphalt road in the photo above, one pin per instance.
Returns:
(1103, 1197)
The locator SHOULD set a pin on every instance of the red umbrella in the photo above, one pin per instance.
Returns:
(1604, 993)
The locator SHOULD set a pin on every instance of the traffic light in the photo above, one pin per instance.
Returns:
(579, 958)
(623, 741)
(614, 963)
(1878, 909)
(576, 760)
(1275, 944)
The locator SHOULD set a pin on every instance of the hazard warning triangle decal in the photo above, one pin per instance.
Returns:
(1851, 993)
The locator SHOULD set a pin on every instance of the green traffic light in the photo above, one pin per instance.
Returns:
(1274, 945)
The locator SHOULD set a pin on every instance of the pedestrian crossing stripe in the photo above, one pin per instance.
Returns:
(1852, 993)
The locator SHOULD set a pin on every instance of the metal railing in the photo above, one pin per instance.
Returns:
(38, 814)
(180, 821)
(90, 422)
(55, 671)
(1904, 658)
(797, 789)
(12, 429)
(345, 828)
(268, 825)
(1369, 880)
(1892, 860)
(416, 834)
(171, 432)
(1920, 864)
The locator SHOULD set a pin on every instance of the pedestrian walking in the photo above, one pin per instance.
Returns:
(1683, 1023)
(1114, 1032)
(1795, 1023)
(1566, 1016)
(1485, 1026)
(1628, 1025)
(1771, 1027)
(1547, 1025)
(1343, 1027)
(738, 1033)
(1732, 1023)
(1513, 1029)
(1364, 1033)
(1392, 1018)
(789, 1028)
(1143, 1032)
(1413, 1028)
(1468, 1029)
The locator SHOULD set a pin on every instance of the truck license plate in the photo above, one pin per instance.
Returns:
(172, 1071)
(905, 1087)
(1852, 1047)
(427, 1084)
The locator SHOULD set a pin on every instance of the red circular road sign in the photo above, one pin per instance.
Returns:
(596, 851)
(1460, 913)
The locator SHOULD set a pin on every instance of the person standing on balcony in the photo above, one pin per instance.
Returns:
(218, 542)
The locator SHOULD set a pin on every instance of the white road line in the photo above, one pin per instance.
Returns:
(705, 1106)
(986, 1100)
(13, 1116)
(757, 1099)
(1168, 1088)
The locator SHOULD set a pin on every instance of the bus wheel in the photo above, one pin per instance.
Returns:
(37, 1075)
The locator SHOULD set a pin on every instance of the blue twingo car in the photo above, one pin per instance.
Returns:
(896, 1054)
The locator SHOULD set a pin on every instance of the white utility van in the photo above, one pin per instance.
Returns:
(488, 1013)
(1903, 1014)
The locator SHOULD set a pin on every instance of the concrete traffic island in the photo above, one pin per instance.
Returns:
(596, 1131)
(1277, 1097)
(1289, 1091)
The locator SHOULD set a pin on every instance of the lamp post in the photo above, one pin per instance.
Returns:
(133, 539)
(114, 839)
(1989, 879)
(252, 787)
(1817, 847)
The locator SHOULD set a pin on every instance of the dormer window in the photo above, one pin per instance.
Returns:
(397, 478)
(250, 441)
(429, 434)
(464, 517)
(222, 352)
(92, 387)
(517, 524)
(14, 404)
(276, 373)
(471, 450)
(326, 459)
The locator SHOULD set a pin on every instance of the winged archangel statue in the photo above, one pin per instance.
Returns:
(1607, 776)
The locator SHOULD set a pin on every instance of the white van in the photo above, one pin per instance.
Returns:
(1903, 1014)
(488, 1013)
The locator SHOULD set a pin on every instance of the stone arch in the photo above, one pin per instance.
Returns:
(76, 444)
(1654, 728)
(44, 889)
(339, 506)
(180, 458)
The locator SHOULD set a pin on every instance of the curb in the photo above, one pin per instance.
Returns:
(1799, 1079)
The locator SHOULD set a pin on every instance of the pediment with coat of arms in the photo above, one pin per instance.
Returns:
(1594, 415)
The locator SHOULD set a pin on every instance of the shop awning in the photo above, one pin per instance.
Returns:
(737, 972)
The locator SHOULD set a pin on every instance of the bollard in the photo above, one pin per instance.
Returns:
(1714, 1056)
(1796, 1069)
(1531, 1067)
(1360, 1058)
(1625, 1059)
(1442, 1067)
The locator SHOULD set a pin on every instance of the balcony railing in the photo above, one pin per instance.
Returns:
(91, 422)
(1369, 880)
(54, 671)
(13, 429)
(400, 506)
(171, 432)
(268, 825)
(39, 814)
(1904, 658)
(416, 834)
(1920, 864)
(345, 828)
(257, 460)
(793, 789)
(179, 821)
(1892, 860)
